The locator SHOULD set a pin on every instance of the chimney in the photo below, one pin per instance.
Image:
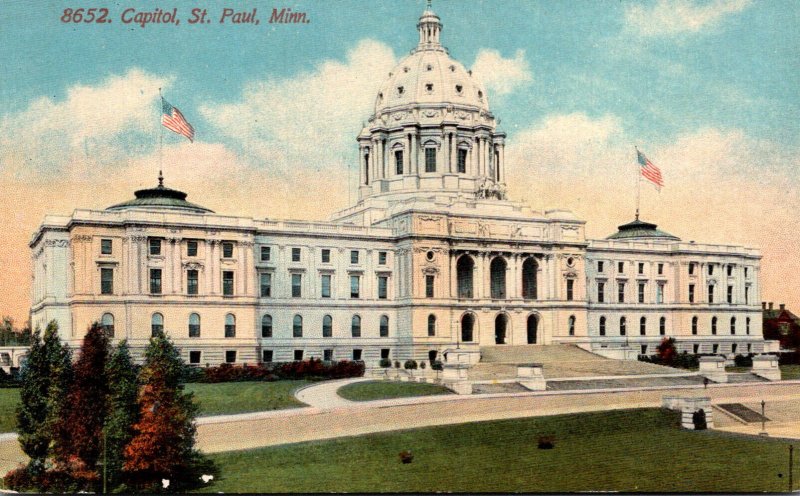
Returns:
(763, 305)
(770, 305)
(783, 306)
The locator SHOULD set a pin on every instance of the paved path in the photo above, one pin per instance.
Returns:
(323, 395)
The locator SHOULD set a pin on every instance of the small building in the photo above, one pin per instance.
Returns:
(782, 325)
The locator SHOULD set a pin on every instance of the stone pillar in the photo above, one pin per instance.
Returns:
(713, 368)
(414, 153)
(531, 377)
(478, 157)
(502, 164)
(477, 276)
(407, 155)
(362, 167)
(485, 157)
(473, 158)
(766, 366)
(453, 156)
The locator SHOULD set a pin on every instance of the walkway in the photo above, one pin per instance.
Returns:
(323, 395)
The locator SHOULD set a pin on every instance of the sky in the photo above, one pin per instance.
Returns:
(708, 89)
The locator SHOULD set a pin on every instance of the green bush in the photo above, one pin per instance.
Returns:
(385, 363)
(410, 365)
(437, 365)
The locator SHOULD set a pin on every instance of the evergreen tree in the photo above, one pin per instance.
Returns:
(79, 430)
(45, 378)
(123, 412)
(164, 436)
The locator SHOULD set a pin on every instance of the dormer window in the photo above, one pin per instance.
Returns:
(406, 69)
(380, 97)
(400, 90)
(459, 89)
(452, 68)
(429, 87)
(480, 94)
(429, 67)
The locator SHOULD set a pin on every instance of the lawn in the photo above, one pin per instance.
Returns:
(633, 450)
(241, 397)
(9, 398)
(379, 390)
(790, 372)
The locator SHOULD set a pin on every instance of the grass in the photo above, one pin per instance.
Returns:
(380, 390)
(214, 399)
(633, 450)
(9, 398)
(790, 372)
(241, 397)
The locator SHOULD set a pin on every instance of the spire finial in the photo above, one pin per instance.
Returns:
(429, 4)
(160, 179)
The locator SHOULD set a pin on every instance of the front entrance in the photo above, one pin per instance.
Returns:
(533, 325)
(500, 324)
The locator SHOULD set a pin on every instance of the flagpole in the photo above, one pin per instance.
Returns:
(160, 142)
(638, 182)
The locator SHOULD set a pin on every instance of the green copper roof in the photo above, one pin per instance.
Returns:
(641, 230)
(161, 198)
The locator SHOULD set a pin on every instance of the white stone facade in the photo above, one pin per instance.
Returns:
(432, 256)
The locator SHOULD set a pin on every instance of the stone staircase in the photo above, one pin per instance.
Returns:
(559, 361)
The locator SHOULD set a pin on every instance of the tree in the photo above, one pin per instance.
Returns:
(79, 431)
(666, 350)
(45, 378)
(123, 387)
(163, 443)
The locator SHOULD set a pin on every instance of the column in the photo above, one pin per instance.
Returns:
(453, 281)
(517, 277)
(241, 269)
(477, 153)
(485, 155)
(414, 154)
(407, 156)
(362, 165)
(486, 276)
(502, 164)
(453, 155)
(373, 155)
(473, 159)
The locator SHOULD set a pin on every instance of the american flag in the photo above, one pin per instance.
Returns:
(649, 170)
(172, 119)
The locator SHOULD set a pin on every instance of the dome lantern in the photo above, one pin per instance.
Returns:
(429, 27)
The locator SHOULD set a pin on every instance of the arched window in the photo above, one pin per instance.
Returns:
(430, 159)
(498, 278)
(384, 330)
(747, 326)
(662, 326)
(694, 325)
(107, 322)
(194, 325)
(602, 326)
(713, 325)
(327, 326)
(733, 325)
(398, 161)
(529, 269)
(467, 326)
(643, 326)
(571, 325)
(431, 325)
(622, 326)
(230, 326)
(156, 324)
(464, 274)
(355, 326)
(266, 326)
(297, 326)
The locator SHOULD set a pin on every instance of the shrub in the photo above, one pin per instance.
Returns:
(437, 365)
(422, 365)
(546, 442)
(397, 364)
(666, 350)
(410, 365)
(743, 360)
(307, 369)
(385, 363)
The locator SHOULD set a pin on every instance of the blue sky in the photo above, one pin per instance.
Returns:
(707, 88)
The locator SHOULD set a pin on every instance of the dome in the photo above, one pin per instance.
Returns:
(160, 198)
(641, 230)
(429, 76)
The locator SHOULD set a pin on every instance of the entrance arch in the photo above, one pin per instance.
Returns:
(533, 328)
(467, 327)
(464, 271)
(500, 328)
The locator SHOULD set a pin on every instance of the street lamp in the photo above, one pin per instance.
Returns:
(763, 419)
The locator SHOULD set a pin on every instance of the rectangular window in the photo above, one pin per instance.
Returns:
(266, 356)
(462, 161)
(266, 253)
(711, 269)
(230, 356)
(730, 294)
(295, 254)
(747, 295)
(227, 250)
(660, 293)
(325, 286)
(356, 355)
(621, 293)
(691, 293)
(641, 268)
(266, 285)
(621, 267)
(297, 281)
(601, 292)
(730, 270)
(661, 269)
(107, 281)
(383, 283)
(194, 357)
(745, 272)
(227, 283)
(354, 257)
(191, 282)
(326, 255)
(105, 247)
(644, 349)
(691, 268)
(398, 162)
(155, 281)
(327, 355)
(355, 286)
(641, 292)
(155, 246)
(385, 352)
(429, 280)
(430, 160)
(570, 289)
(381, 258)
(710, 293)
(191, 248)
(298, 355)
(600, 266)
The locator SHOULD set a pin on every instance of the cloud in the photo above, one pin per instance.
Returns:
(669, 17)
(501, 75)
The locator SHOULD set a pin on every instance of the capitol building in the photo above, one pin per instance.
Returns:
(432, 256)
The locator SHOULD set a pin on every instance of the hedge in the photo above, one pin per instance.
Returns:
(306, 369)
